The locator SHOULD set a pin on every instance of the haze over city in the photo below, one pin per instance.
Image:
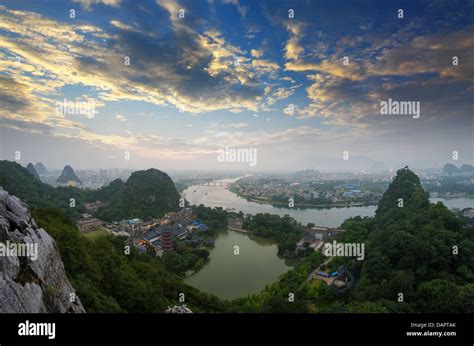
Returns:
(172, 89)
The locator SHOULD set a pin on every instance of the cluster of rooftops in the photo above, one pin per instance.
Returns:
(178, 230)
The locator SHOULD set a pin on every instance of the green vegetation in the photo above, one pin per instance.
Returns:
(18, 181)
(276, 297)
(95, 234)
(410, 250)
(420, 250)
(284, 230)
(216, 219)
(188, 257)
(235, 188)
(107, 280)
(185, 258)
(300, 201)
(146, 194)
(180, 187)
(451, 185)
(110, 192)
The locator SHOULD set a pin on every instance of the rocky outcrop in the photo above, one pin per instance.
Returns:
(34, 280)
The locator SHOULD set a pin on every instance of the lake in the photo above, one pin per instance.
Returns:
(231, 276)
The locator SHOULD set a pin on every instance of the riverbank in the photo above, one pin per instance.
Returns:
(309, 205)
(234, 188)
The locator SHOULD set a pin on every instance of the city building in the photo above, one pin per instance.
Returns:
(121, 234)
(140, 247)
(184, 215)
(151, 236)
(196, 226)
(167, 240)
(468, 213)
(158, 246)
(87, 225)
(146, 226)
(132, 227)
(92, 207)
(322, 233)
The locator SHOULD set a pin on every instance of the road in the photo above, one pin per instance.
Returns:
(308, 279)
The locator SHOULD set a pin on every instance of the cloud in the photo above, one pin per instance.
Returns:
(293, 49)
(238, 125)
(265, 66)
(242, 9)
(281, 93)
(122, 26)
(88, 4)
(354, 70)
(404, 64)
(434, 54)
(256, 53)
(165, 71)
(120, 117)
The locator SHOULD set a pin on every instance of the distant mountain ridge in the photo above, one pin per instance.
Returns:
(68, 175)
(40, 168)
(451, 169)
(32, 170)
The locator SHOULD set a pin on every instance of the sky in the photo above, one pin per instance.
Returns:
(167, 84)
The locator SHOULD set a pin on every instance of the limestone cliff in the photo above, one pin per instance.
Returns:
(34, 281)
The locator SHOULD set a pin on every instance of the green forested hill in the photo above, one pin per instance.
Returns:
(110, 192)
(420, 250)
(68, 175)
(146, 194)
(284, 230)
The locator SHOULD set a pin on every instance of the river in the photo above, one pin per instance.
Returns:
(231, 276)
(216, 196)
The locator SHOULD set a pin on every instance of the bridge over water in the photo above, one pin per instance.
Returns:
(214, 183)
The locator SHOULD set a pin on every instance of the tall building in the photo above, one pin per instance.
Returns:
(103, 175)
(167, 240)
